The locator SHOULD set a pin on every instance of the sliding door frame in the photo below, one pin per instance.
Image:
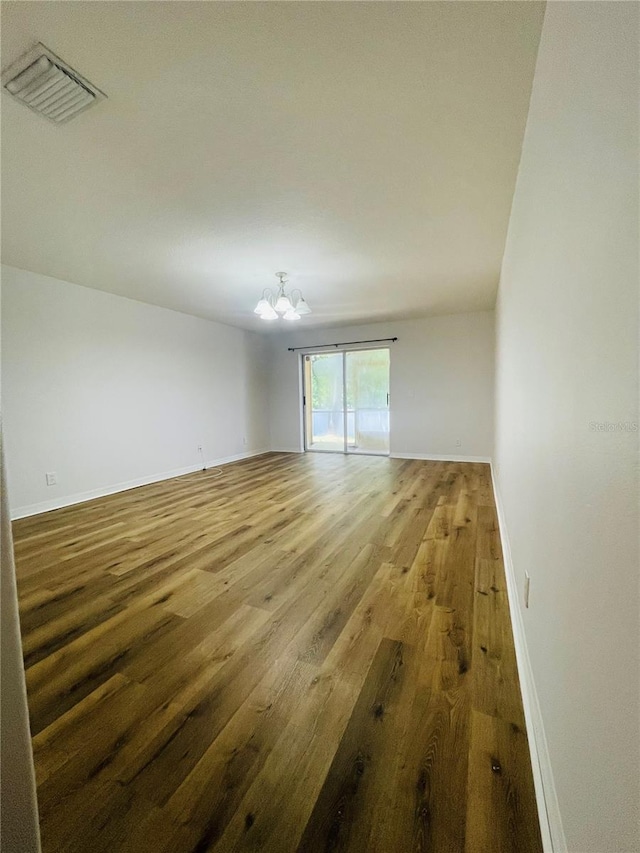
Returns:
(307, 412)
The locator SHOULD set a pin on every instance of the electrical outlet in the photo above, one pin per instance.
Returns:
(52, 478)
(199, 448)
(244, 441)
(458, 442)
(527, 585)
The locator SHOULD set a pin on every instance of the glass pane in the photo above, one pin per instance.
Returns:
(325, 409)
(368, 401)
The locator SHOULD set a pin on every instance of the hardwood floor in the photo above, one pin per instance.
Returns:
(302, 653)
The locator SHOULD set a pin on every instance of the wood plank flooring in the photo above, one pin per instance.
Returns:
(300, 653)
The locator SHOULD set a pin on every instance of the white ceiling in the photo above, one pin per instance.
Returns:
(369, 149)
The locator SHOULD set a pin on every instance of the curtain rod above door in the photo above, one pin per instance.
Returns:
(343, 344)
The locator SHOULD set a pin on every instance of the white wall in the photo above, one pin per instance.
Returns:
(567, 357)
(18, 804)
(107, 391)
(441, 383)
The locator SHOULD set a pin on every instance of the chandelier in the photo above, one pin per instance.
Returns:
(273, 304)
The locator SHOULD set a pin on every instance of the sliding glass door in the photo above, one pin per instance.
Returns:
(346, 401)
(324, 398)
(367, 395)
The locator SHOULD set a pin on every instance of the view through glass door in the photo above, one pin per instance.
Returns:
(347, 401)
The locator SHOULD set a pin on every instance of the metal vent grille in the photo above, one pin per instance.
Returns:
(46, 85)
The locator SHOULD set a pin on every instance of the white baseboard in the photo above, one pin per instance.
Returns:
(435, 457)
(429, 457)
(553, 838)
(81, 497)
(238, 457)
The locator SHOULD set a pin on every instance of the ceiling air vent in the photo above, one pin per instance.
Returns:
(46, 84)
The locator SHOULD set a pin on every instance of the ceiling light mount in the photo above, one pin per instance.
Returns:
(272, 304)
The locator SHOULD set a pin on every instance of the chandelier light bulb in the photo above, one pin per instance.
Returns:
(262, 307)
(269, 314)
(283, 304)
(301, 306)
